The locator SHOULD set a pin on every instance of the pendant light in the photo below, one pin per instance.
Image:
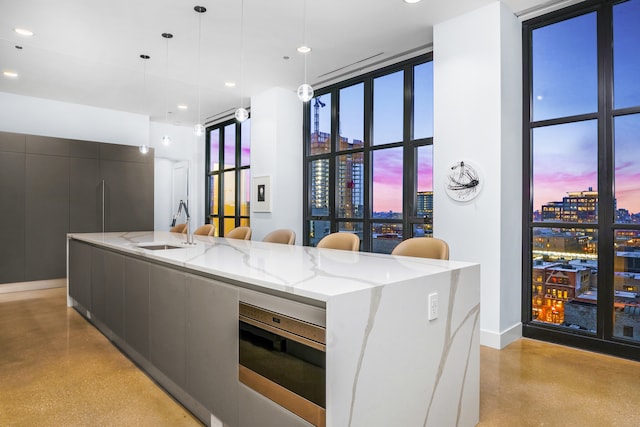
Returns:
(166, 139)
(241, 113)
(198, 130)
(305, 91)
(144, 148)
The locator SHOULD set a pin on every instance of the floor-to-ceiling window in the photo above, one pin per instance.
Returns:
(582, 176)
(368, 157)
(228, 175)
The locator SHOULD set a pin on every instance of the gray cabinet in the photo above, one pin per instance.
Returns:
(46, 215)
(136, 305)
(12, 205)
(85, 190)
(167, 322)
(257, 410)
(114, 292)
(212, 346)
(80, 273)
(52, 186)
(128, 188)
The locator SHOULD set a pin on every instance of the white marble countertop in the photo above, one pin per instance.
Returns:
(309, 272)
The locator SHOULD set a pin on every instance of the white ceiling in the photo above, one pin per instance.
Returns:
(87, 51)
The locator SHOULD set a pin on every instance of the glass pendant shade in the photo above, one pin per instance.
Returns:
(198, 130)
(166, 139)
(144, 148)
(305, 92)
(242, 114)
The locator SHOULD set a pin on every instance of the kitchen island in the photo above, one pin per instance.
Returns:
(391, 358)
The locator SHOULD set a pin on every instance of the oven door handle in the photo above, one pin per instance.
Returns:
(302, 340)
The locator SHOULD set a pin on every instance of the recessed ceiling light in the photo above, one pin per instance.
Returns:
(182, 107)
(23, 32)
(11, 74)
(304, 49)
(412, 1)
(230, 84)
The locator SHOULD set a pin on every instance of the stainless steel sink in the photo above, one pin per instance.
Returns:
(159, 247)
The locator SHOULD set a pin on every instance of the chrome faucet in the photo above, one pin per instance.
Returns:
(188, 218)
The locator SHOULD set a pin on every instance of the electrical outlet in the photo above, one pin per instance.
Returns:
(433, 306)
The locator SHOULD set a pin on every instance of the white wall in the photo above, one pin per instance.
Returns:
(477, 118)
(38, 116)
(276, 151)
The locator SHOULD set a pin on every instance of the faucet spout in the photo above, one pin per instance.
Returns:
(182, 205)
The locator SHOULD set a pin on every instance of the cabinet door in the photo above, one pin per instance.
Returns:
(80, 273)
(46, 216)
(85, 195)
(12, 205)
(257, 410)
(128, 178)
(114, 292)
(98, 292)
(136, 305)
(212, 346)
(167, 325)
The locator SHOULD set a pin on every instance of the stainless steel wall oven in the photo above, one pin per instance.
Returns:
(283, 358)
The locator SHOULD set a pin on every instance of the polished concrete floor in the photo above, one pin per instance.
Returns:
(57, 370)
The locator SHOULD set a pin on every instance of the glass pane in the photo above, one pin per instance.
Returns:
(565, 68)
(245, 192)
(387, 183)
(352, 227)
(320, 124)
(626, 61)
(229, 224)
(245, 143)
(388, 101)
(564, 277)
(317, 230)
(216, 223)
(422, 230)
(565, 172)
(385, 237)
(229, 194)
(627, 169)
(351, 115)
(245, 222)
(626, 284)
(213, 186)
(319, 187)
(350, 190)
(423, 100)
(214, 150)
(424, 186)
(230, 146)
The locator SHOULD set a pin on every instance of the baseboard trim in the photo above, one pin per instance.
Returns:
(33, 286)
(501, 340)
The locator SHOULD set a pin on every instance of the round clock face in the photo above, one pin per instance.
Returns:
(463, 181)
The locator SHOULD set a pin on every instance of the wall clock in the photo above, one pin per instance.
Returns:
(463, 182)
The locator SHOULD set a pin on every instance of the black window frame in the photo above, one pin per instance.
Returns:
(237, 169)
(408, 144)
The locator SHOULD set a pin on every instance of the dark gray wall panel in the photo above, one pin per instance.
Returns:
(80, 273)
(12, 218)
(136, 305)
(15, 142)
(85, 195)
(47, 145)
(46, 216)
(128, 195)
(212, 346)
(167, 327)
(114, 292)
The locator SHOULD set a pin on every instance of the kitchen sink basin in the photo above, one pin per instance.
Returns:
(160, 247)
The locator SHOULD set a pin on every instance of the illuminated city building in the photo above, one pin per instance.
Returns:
(577, 206)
